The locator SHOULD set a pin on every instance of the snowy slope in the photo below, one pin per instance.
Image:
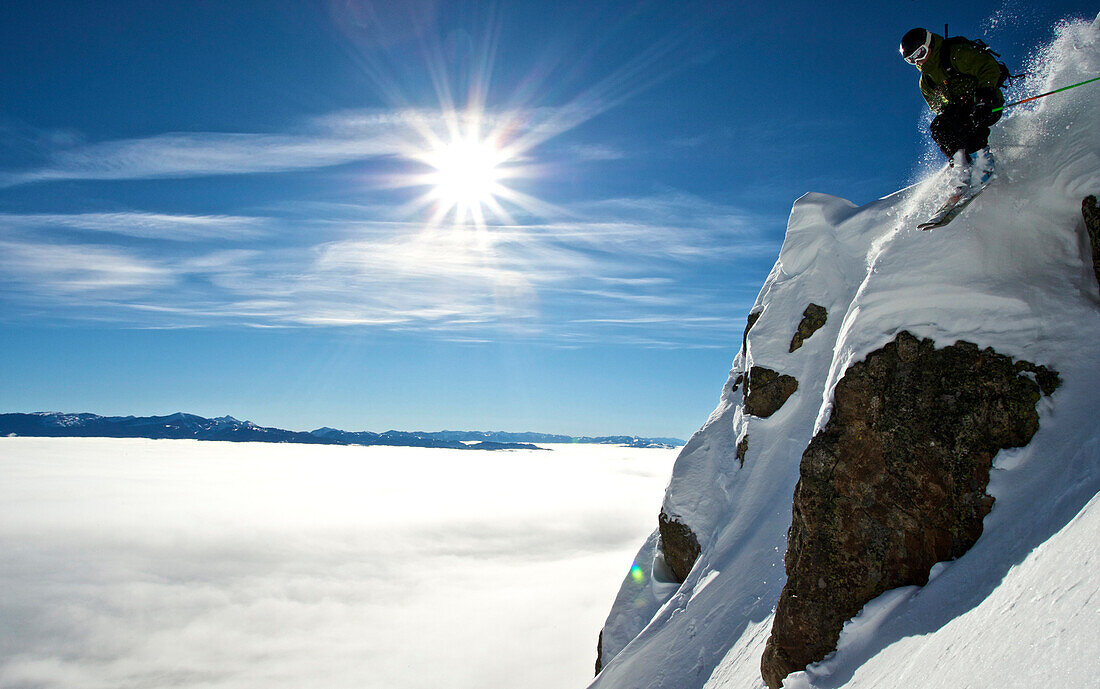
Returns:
(1013, 273)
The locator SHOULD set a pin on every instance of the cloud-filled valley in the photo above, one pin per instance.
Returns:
(174, 563)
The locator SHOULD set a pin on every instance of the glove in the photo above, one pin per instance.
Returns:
(984, 100)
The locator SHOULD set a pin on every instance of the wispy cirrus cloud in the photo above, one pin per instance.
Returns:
(324, 141)
(202, 154)
(321, 142)
(79, 269)
(645, 270)
(594, 152)
(141, 224)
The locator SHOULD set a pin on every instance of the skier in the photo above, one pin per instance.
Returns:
(961, 82)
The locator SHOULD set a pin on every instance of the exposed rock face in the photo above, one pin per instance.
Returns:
(1092, 226)
(767, 390)
(894, 483)
(812, 319)
(742, 449)
(679, 545)
(599, 653)
(753, 317)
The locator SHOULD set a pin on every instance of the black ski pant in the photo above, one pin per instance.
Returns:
(956, 128)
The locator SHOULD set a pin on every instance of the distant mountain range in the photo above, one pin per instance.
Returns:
(182, 426)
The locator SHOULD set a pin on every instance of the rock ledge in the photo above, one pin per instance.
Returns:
(895, 482)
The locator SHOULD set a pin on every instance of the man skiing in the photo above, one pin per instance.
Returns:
(961, 82)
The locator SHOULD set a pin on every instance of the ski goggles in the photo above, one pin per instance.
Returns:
(921, 52)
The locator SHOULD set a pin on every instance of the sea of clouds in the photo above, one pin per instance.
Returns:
(142, 563)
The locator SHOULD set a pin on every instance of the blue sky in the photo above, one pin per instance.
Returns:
(254, 208)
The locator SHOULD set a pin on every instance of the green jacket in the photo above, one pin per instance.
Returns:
(976, 69)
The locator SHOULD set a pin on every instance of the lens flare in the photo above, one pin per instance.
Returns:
(468, 158)
(637, 574)
(466, 178)
(477, 154)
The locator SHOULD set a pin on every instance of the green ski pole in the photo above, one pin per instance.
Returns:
(1042, 95)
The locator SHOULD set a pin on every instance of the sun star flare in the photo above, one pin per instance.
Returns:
(467, 169)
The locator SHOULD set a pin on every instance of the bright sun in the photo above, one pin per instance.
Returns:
(466, 175)
(471, 161)
(468, 168)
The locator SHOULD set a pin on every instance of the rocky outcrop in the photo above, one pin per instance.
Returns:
(895, 482)
(766, 391)
(1092, 226)
(742, 449)
(599, 653)
(813, 318)
(679, 545)
(753, 317)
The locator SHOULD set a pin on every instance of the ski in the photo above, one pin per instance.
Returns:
(950, 210)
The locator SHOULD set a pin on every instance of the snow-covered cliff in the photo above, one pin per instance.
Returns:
(1013, 274)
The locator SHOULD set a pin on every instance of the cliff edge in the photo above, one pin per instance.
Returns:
(904, 457)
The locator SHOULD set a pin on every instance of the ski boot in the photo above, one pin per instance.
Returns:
(960, 173)
(984, 167)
